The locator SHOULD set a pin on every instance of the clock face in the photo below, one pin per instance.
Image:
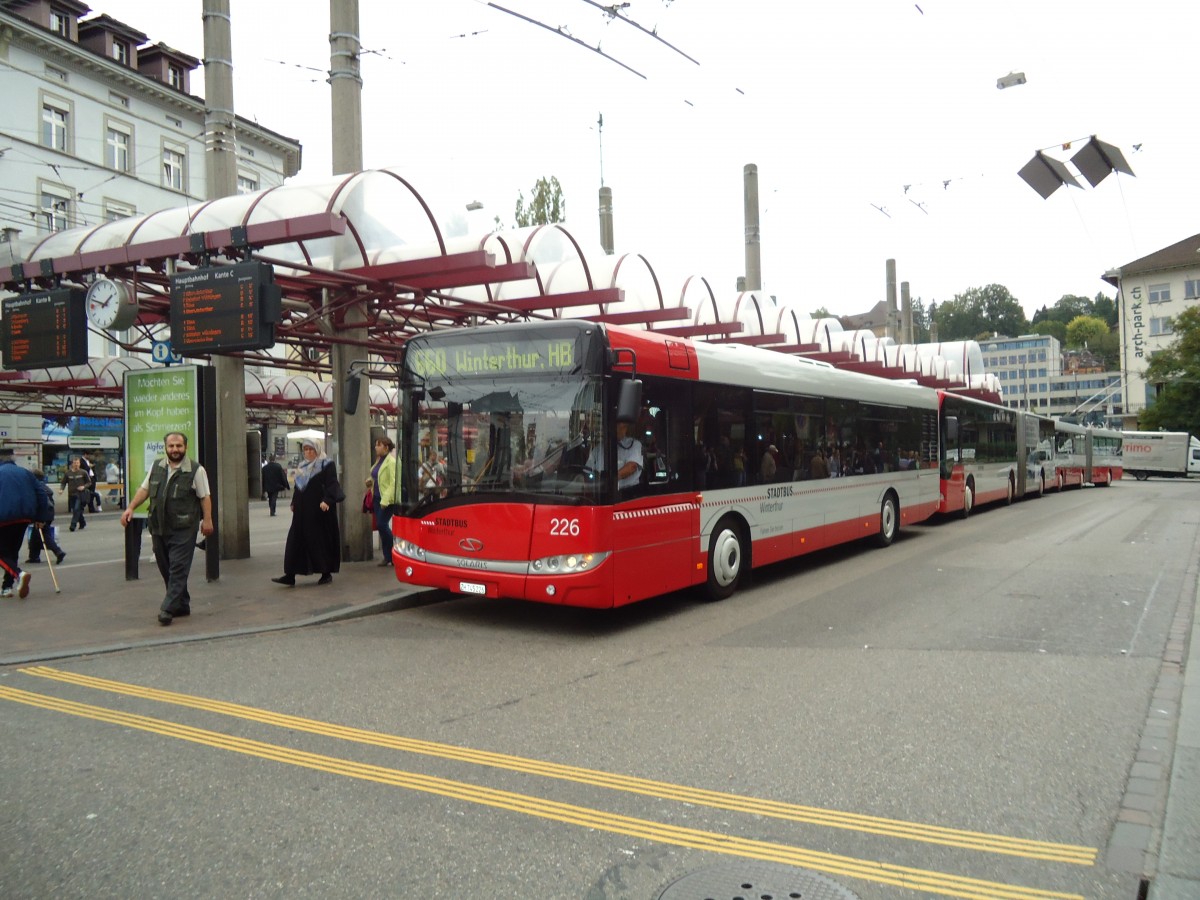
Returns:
(109, 305)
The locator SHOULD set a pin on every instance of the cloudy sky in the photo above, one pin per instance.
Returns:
(876, 126)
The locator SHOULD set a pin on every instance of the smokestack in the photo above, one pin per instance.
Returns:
(753, 247)
(906, 318)
(606, 221)
(891, 299)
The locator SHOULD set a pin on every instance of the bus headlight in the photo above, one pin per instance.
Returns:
(566, 564)
(411, 550)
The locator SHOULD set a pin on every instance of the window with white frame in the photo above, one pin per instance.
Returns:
(1191, 289)
(56, 73)
(118, 99)
(56, 125)
(120, 52)
(174, 168)
(247, 184)
(54, 203)
(1160, 325)
(60, 23)
(118, 146)
(114, 210)
(1159, 293)
(175, 77)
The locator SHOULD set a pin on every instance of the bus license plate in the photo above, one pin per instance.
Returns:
(470, 587)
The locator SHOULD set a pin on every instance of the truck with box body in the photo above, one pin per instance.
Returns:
(1163, 454)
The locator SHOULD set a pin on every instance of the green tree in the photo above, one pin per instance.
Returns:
(1049, 326)
(546, 204)
(1106, 309)
(980, 312)
(1086, 331)
(821, 312)
(1175, 372)
(921, 319)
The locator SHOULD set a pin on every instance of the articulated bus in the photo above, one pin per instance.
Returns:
(979, 453)
(516, 444)
(1085, 455)
(1037, 433)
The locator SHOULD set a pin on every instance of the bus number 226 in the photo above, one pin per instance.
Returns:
(564, 527)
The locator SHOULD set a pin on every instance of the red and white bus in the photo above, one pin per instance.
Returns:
(511, 434)
(1086, 455)
(979, 453)
(1106, 461)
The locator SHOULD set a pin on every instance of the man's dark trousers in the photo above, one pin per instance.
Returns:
(173, 552)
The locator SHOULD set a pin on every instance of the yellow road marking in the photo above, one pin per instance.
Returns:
(933, 834)
(829, 863)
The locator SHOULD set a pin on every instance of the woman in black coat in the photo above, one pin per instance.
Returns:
(314, 542)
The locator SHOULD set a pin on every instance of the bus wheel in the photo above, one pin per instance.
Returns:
(725, 557)
(1041, 485)
(1141, 476)
(889, 521)
(1058, 482)
(968, 498)
(1012, 492)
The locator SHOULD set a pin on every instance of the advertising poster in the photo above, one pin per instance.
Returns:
(157, 401)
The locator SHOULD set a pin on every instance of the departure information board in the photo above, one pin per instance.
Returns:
(224, 308)
(44, 329)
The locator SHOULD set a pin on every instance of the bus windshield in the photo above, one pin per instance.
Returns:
(523, 419)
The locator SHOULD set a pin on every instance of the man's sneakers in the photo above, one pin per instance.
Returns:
(23, 585)
(7, 592)
(60, 557)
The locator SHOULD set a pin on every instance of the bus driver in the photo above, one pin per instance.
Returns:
(629, 458)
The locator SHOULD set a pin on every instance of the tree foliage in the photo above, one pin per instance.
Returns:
(1086, 331)
(1072, 306)
(1175, 372)
(1054, 329)
(821, 312)
(980, 312)
(546, 204)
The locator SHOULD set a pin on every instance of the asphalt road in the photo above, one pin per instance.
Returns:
(962, 714)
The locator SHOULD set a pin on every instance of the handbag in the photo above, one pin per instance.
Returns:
(368, 504)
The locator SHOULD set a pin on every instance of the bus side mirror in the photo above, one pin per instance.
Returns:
(629, 400)
(351, 388)
(951, 429)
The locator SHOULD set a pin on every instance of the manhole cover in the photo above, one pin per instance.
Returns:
(755, 881)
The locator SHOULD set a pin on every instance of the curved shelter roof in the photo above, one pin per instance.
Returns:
(369, 242)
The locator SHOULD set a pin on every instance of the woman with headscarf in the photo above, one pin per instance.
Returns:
(314, 540)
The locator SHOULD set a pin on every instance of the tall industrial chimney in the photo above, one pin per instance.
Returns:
(753, 246)
(606, 220)
(891, 299)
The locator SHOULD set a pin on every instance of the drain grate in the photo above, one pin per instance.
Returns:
(755, 881)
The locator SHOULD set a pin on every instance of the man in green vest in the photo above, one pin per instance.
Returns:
(180, 503)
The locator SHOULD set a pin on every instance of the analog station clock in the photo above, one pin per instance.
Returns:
(110, 304)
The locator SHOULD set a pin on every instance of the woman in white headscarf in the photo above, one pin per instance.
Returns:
(314, 539)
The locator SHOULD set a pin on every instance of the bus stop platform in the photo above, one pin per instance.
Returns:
(98, 610)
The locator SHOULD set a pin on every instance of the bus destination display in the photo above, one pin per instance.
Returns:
(224, 308)
(44, 330)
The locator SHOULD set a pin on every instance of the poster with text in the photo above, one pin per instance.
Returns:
(157, 402)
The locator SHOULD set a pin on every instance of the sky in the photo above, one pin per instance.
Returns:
(876, 126)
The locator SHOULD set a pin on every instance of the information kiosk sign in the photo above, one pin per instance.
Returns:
(224, 308)
(44, 329)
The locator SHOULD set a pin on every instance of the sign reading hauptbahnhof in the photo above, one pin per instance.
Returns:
(224, 308)
(44, 330)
